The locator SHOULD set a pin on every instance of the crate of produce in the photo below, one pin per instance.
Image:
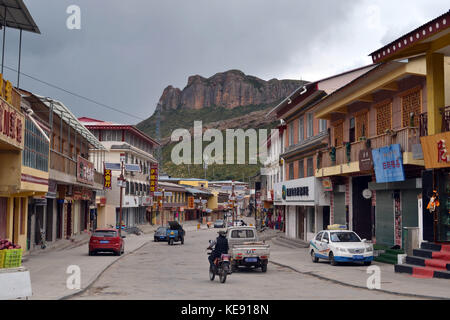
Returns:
(13, 258)
(2, 258)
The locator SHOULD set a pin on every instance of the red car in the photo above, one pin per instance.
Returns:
(106, 240)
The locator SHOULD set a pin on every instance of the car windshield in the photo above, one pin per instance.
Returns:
(219, 221)
(161, 229)
(105, 233)
(344, 237)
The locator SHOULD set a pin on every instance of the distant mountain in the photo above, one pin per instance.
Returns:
(228, 90)
(226, 100)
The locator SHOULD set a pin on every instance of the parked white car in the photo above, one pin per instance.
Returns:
(340, 246)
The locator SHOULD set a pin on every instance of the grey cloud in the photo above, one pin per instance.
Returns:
(127, 52)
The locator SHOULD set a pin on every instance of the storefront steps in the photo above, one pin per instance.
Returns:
(432, 260)
(387, 255)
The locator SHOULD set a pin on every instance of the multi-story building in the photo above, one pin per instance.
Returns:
(305, 138)
(24, 166)
(272, 173)
(375, 173)
(137, 148)
(431, 42)
(68, 208)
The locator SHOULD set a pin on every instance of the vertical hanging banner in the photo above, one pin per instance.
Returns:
(388, 164)
(153, 178)
(107, 179)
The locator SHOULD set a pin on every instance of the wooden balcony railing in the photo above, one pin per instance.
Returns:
(65, 164)
(406, 137)
(62, 163)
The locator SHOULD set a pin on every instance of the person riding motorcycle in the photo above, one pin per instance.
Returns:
(220, 247)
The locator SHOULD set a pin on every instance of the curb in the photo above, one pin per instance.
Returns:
(98, 275)
(356, 286)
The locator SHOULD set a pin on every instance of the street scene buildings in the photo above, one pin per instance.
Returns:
(361, 153)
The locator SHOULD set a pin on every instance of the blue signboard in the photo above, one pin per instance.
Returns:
(388, 163)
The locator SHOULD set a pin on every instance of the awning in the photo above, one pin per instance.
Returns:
(68, 117)
(197, 191)
(17, 16)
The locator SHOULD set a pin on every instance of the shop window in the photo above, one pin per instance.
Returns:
(384, 117)
(322, 125)
(291, 134)
(301, 129)
(411, 107)
(311, 220)
(291, 171)
(310, 125)
(35, 153)
(310, 167)
(301, 168)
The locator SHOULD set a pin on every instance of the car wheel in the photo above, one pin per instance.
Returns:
(367, 263)
(313, 257)
(264, 268)
(91, 253)
(332, 261)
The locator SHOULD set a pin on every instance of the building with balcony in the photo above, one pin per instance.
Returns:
(69, 208)
(300, 197)
(137, 148)
(431, 41)
(374, 162)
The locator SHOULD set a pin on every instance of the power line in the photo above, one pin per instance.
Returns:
(77, 95)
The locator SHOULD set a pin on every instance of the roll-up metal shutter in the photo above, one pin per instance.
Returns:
(384, 218)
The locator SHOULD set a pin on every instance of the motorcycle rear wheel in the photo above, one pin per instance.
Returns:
(223, 276)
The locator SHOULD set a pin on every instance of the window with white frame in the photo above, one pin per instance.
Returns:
(322, 125)
(310, 128)
(301, 129)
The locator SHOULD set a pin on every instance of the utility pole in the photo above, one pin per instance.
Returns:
(233, 195)
(122, 180)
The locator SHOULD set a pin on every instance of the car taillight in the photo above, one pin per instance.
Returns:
(263, 257)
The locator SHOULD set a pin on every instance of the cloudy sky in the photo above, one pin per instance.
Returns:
(127, 52)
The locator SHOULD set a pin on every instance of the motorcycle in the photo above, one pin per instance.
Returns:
(221, 267)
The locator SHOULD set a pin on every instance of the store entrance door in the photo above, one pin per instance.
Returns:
(362, 208)
(301, 212)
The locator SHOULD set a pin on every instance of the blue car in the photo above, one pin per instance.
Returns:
(161, 234)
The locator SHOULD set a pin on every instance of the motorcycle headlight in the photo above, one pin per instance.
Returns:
(172, 233)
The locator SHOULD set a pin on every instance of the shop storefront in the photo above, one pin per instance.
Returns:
(436, 206)
(304, 201)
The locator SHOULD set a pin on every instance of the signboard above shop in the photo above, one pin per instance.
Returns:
(388, 164)
(85, 171)
(436, 150)
(132, 167)
(12, 124)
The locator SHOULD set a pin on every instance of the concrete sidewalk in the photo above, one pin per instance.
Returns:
(356, 275)
(48, 269)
